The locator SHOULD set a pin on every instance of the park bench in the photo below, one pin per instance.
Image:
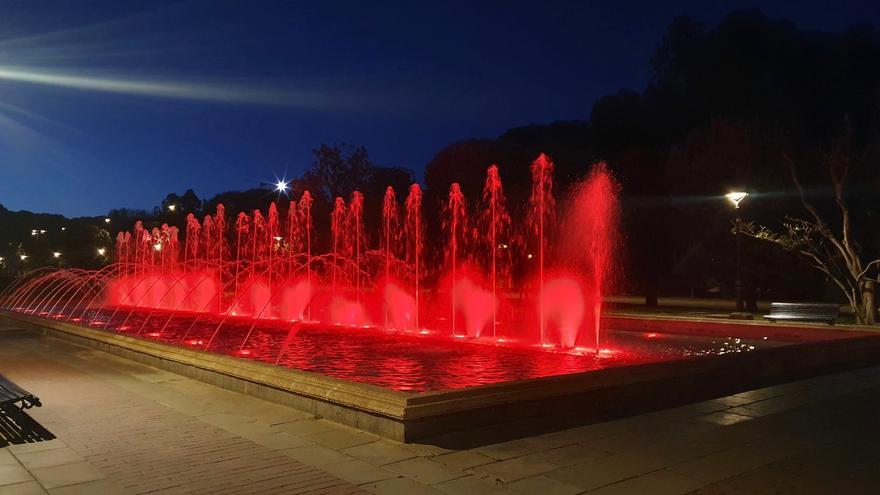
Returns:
(782, 311)
(13, 395)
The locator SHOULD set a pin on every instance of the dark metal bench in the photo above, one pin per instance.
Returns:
(780, 311)
(13, 395)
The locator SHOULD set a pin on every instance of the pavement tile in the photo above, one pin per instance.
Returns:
(469, 485)
(662, 482)
(47, 458)
(542, 485)
(381, 452)
(100, 487)
(66, 474)
(316, 455)
(13, 473)
(400, 486)
(342, 438)
(737, 460)
(425, 470)
(36, 446)
(306, 427)
(6, 457)
(25, 488)
(359, 472)
(464, 459)
(518, 467)
(724, 418)
(279, 440)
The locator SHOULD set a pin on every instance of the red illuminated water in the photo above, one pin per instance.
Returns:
(413, 361)
(535, 278)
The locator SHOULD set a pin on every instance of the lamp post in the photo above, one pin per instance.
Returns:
(736, 198)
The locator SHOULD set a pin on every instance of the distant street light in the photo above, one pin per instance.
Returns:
(281, 186)
(101, 251)
(63, 229)
(736, 198)
(56, 254)
(172, 207)
(157, 246)
(23, 257)
(107, 220)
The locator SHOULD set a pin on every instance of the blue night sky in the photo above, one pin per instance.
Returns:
(108, 104)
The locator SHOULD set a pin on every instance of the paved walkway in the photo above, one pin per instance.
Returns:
(124, 427)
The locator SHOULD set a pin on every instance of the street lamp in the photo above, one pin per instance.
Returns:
(107, 220)
(281, 186)
(101, 251)
(56, 254)
(736, 197)
(171, 208)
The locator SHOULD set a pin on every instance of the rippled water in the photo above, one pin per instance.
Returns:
(409, 362)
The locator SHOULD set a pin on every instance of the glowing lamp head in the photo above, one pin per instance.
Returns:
(63, 229)
(102, 251)
(281, 186)
(35, 232)
(23, 257)
(56, 254)
(172, 207)
(107, 220)
(157, 246)
(736, 197)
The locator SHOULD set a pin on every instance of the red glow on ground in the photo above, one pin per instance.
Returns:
(154, 334)
(652, 335)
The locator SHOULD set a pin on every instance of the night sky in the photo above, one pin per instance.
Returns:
(115, 104)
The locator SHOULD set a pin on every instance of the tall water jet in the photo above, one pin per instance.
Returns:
(356, 222)
(456, 227)
(257, 248)
(495, 221)
(305, 219)
(220, 229)
(414, 236)
(592, 236)
(294, 241)
(541, 218)
(241, 231)
(389, 224)
(272, 239)
(337, 226)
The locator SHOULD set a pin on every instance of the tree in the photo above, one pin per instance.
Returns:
(338, 170)
(830, 246)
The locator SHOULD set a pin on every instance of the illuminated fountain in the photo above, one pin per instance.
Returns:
(535, 284)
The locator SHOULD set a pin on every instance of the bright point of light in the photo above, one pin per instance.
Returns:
(63, 229)
(107, 220)
(529, 256)
(35, 232)
(23, 257)
(277, 238)
(157, 246)
(736, 197)
(56, 254)
(1, 259)
(101, 251)
(281, 186)
(172, 207)
(42, 231)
